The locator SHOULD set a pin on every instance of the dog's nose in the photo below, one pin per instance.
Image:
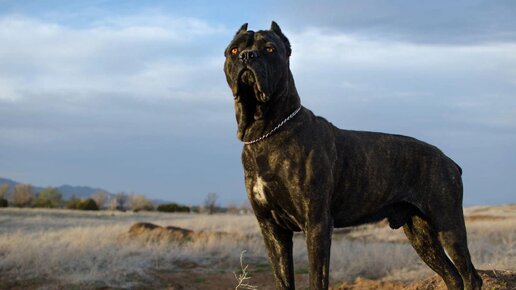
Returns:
(247, 55)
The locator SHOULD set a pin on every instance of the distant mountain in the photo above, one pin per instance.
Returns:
(66, 190)
(11, 183)
(79, 191)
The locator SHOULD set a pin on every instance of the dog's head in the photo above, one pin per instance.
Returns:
(257, 71)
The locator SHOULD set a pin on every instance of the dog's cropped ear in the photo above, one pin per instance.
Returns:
(243, 28)
(276, 29)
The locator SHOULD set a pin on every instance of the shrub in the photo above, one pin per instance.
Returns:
(49, 197)
(23, 195)
(100, 197)
(173, 207)
(119, 201)
(4, 202)
(4, 188)
(73, 202)
(139, 202)
(87, 204)
(82, 204)
(210, 203)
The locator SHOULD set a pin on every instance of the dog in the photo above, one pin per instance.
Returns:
(304, 174)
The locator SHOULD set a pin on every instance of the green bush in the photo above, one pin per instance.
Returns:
(87, 204)
(50, 197)
(82, 204)
(173, 207)
(73, 202)
(4, 202)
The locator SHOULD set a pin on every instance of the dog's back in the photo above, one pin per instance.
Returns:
(376, 170)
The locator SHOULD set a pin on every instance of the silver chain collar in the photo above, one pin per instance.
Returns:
(275, 128)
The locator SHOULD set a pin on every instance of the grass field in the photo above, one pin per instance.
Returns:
(63, 249)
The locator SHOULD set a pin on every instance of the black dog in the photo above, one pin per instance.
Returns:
(304, 174)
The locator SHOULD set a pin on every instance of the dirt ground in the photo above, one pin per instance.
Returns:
(493, 280)
(499, 280)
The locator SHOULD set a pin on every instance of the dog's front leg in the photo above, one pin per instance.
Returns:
(279, 245)
(318, 241)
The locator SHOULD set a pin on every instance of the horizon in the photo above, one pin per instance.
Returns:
(131, 96)
(161, 201)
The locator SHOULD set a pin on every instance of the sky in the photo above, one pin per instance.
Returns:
(131, 96)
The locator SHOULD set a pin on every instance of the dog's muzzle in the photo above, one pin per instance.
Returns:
(246, 56)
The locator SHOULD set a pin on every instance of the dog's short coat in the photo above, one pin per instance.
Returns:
(307, 175)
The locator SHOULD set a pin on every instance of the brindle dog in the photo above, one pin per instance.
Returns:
(304, 174)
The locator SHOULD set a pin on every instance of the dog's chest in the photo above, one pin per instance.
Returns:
(259, 189)
(265, 178)
(266, 190)
(272, 197)
(271, 180)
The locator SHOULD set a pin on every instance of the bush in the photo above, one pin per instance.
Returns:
(173, 207)
(139, 202)
(73, 202)
(50, 197)
(87, 204)
(4, 202)
(82, 204)
(23, 195)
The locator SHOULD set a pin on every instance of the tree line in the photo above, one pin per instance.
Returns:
(24, 196)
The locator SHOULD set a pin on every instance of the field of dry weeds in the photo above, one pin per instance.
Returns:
(62, 249)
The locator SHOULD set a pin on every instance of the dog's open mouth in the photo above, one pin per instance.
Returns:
(249, 86)
(250, 100)
(250, 94)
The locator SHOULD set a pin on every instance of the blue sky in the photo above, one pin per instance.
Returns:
(130, 95)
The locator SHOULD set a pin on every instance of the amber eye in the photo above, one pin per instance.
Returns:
(234, 51)
(270, 49)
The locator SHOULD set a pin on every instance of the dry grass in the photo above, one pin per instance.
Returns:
(93, 249)
(88, 248)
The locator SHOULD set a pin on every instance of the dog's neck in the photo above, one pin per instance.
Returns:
(279, 107)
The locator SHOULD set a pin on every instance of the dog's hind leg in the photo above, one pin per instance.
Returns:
(454, 241)
(424, 239)
(448, 221)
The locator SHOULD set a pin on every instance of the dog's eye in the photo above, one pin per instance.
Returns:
(270, 49)
(234, 51)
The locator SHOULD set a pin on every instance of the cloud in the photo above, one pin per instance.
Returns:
(337, 68)
(131, 56)
(431, 22)
(114, 79)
